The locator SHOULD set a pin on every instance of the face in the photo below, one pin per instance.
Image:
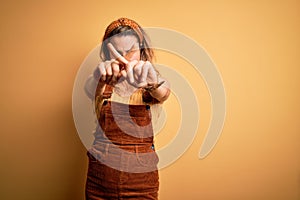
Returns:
(127, 46)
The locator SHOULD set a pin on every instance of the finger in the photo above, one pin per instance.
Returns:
(116, 54)
(152, 73)
(129, 70)
(108, 71)
(137, 70)
(115, 71)
(121, 67)
(145, 71)
(123, 73)
(102, 71)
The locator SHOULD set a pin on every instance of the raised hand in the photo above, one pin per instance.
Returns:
(138, 73)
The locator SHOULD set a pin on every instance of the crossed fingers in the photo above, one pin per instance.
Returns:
(138, 73)
(116, 54)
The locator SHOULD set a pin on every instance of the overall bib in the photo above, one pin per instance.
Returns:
(122, 160)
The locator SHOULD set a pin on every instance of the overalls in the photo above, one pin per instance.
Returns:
(122, 160)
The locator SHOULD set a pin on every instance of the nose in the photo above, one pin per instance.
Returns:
(124, 54)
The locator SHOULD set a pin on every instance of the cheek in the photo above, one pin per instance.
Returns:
(135, 56)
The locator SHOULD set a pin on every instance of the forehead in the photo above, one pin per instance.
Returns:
(124, 42)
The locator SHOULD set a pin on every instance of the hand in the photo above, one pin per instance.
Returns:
(108, 72)
(138, 73)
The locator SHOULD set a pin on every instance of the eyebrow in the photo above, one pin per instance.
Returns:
(131, 48)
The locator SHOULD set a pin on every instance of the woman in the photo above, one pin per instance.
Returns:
(129, 92)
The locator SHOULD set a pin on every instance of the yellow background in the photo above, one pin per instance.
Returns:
(255, 45)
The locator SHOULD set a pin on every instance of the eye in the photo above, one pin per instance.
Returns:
(134, 47)
(129, 51)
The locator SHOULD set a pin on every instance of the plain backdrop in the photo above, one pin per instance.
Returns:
(255, 45)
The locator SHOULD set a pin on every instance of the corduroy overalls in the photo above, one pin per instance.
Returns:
(122, 160)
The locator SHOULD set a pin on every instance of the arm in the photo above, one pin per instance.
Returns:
(162, 92)
(91, 86)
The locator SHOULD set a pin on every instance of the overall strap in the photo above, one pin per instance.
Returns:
(99, 98)
(107, 92)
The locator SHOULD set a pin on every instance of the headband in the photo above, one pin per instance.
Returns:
(124, 22)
